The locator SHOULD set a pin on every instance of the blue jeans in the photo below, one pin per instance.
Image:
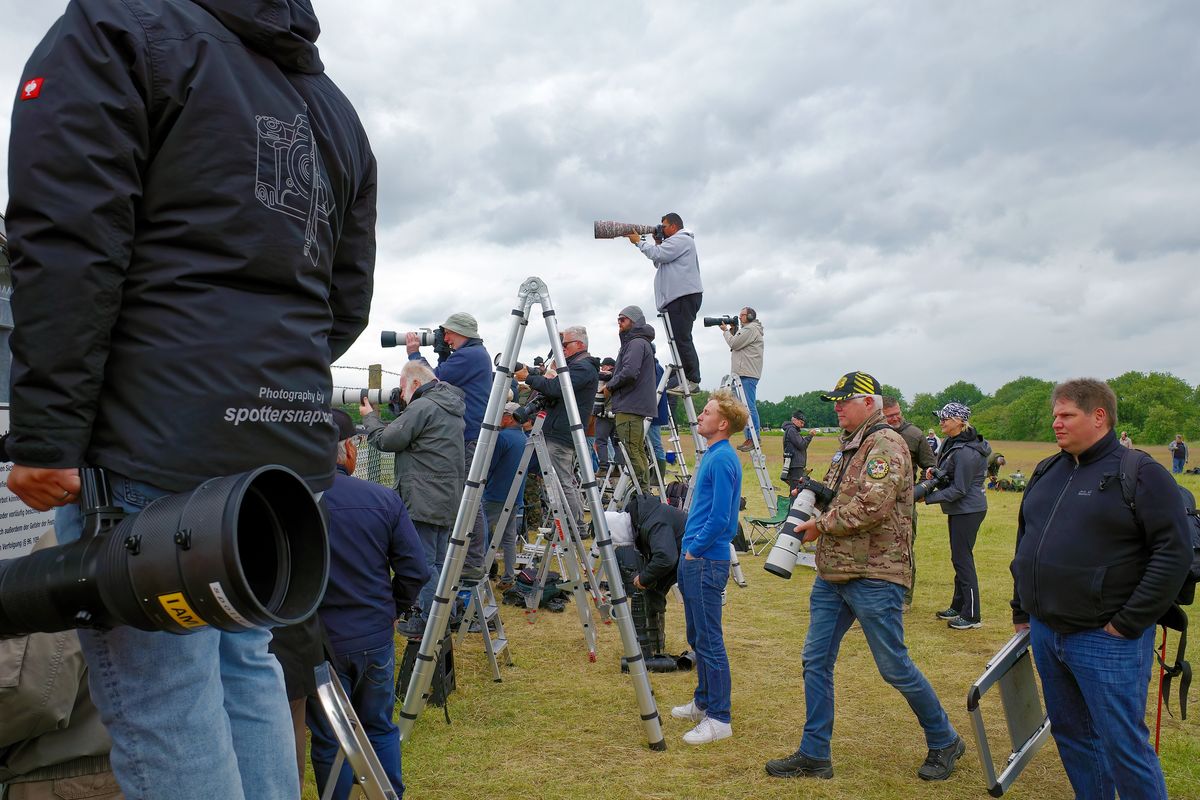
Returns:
(191, 717)
(701, 581)
(435, 539)
(750, 387)
(655, 437)
(1095, 686)
(1177, 465)
(876, 605)
(368, 678)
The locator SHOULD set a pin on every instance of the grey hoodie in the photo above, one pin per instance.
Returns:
(427, 439)
(677, 265)
(633, 385)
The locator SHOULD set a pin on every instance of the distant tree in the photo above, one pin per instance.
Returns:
(961, 392)
(923, 406)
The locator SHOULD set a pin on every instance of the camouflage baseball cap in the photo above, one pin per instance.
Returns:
(852, 384)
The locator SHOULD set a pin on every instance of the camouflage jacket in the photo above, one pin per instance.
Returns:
(867, 530)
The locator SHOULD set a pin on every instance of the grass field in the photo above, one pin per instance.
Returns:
(561, 727)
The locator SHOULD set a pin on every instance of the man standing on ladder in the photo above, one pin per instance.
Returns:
(746, 361)
(677, 288)
(632, 388)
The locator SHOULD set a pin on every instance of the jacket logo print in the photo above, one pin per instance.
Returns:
(31, 88)
(290, 179)
(877, 468)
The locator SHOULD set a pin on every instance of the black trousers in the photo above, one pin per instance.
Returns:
(682, 314)
(963, 530)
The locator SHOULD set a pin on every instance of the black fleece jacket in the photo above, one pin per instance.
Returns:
(1084, 558)
(658, 533)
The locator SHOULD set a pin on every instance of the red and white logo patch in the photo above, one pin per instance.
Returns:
(31, 88)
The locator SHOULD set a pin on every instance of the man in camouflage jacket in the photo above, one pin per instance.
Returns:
(863, 566)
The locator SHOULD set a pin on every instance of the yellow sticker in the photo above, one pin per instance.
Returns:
(877, 468)
(180, 611)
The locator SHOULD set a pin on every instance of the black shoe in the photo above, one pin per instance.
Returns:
(939, 764)
(964, 624)
(798, 765)
(949, 613)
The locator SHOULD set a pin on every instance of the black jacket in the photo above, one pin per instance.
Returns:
(633, 386)
(964, 457)
(584, 369)
(918, 447)
(795, 444)
(1084, 558)
(186, 263)
(658, 533)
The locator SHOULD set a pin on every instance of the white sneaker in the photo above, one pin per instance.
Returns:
(709, 730)
(688, 712)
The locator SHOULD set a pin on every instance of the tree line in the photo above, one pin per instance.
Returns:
(1152, 406)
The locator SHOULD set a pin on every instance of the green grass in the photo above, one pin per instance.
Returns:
(561, 727)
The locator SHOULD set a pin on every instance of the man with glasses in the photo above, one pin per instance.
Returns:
(584, 369)
(922, 459)
(863, 567)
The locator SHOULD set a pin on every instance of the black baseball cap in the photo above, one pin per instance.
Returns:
(852, 384)
(345, 425)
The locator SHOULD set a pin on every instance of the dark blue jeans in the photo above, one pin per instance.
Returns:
(876, 606)
(435, 539)
(368, 679)
(1095, 685)
(701, 582)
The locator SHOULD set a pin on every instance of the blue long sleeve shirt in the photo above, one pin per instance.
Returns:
(506, 458)
(470, 369)
(717, 493)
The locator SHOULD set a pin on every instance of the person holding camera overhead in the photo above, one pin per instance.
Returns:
(678, 291)
(746, 361)
(958, 487)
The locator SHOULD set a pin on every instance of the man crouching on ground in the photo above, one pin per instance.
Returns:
(704, 566)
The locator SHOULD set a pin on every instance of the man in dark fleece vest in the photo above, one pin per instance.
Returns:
(376, 568)
(192, 225)
(1091, 577)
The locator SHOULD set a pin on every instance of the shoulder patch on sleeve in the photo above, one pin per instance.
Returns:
(877, 468)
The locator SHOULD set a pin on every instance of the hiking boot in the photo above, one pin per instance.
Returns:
(798, 765)
(746, 446)
(412, 628)
(939, 764)
(677, 391)
(964, 624)
(709, 730)
(689, 712)
(949, 613)
(505, 584)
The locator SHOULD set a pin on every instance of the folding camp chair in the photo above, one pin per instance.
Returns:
(763, 530)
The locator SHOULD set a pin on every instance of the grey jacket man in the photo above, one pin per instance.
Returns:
(427, 439)
(746, 350)
(677, 267)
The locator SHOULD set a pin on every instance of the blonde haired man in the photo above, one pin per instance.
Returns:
(704, 566)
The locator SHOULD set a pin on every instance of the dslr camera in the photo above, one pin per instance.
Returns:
(812, 498)
(732, 322)
(427, 337)
(939, 480)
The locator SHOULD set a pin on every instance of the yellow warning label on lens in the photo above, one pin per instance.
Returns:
(180, 611)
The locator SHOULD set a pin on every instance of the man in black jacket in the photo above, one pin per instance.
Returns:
(633, 388)
(1091, 578)
(795, 444)
(191, 221)
(584, 370)
(922, 459)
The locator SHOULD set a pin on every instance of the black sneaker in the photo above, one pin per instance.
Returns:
(949, 613)
(964, 624)
(798, 765)
(939, 764)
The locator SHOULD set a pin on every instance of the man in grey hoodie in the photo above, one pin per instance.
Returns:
(427, 439)
(677, 288)
(633, 388)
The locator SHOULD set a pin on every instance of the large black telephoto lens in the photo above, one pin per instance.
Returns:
(238, 552)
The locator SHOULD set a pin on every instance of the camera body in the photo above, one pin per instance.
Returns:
(536, 404)
(812, 498)
(732, 322)
(939, 480)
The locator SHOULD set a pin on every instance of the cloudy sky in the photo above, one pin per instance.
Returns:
(930, 191)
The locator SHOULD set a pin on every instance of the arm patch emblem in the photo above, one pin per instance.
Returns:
(877, 468)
